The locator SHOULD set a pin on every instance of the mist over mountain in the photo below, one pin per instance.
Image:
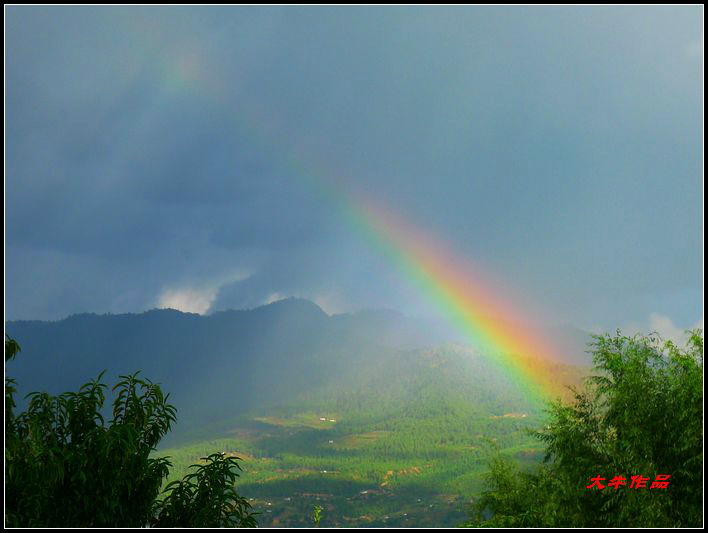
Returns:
(233, 362)
(397, 407)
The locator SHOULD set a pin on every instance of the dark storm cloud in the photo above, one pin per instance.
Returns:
(148, 150)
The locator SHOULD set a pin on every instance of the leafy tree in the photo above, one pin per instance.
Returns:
(64, 466)
(205, 498)
(11, 351)
(640, 414)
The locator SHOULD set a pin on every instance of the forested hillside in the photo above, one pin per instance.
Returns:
(345, 414)
(270, 356)
(383, 418)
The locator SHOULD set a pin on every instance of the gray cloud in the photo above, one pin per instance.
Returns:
(149, 149)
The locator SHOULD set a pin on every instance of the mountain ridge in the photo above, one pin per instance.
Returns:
(229, 362)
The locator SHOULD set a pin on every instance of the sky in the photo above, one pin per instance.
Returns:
(181, 157)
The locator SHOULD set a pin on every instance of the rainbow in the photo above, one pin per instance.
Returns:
(491, 323)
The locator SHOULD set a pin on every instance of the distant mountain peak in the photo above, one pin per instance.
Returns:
(294, 303)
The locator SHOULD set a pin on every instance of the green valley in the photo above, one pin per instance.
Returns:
(404, 443)
(374, 417)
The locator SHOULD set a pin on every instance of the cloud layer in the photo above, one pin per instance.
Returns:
(665, 327)
(149, 154)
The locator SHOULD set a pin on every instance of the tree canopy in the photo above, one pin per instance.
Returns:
(66, 467)
(641, 414)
